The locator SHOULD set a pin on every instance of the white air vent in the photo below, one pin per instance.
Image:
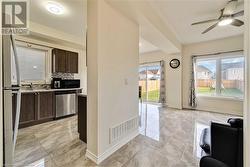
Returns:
(122, 129)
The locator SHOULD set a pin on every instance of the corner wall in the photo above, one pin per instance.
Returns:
(173, 76)
(113, 60)
(220, 105)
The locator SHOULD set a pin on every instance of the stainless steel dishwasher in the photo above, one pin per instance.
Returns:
(66, 103)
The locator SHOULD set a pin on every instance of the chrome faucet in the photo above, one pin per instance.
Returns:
(31, 85)
(28, 85)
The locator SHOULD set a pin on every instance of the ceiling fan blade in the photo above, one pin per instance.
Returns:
(210, 28)
(238, 14)
(237, 23)
(230, 7)
(206, 21)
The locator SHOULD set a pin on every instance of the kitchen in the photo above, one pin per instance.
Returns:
(49, 66)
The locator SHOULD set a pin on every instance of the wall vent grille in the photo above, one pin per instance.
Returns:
(122, 129)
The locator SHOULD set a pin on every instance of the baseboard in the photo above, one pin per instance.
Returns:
(230, 112)
(111, 150)
(91, 156)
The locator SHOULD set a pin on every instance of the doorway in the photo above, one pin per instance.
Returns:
(149, 81)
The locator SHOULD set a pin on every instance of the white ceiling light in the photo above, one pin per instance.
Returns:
(55, 8)
(225, 22)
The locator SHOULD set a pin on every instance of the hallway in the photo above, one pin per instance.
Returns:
(168, 136)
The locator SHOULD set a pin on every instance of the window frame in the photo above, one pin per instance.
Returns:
(48, 55)
(218, 58)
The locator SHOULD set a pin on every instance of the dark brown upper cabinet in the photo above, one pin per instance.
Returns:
(64, 61)
(59, 60)
(72, 62)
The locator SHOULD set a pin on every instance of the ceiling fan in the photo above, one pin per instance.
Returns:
(227, 16)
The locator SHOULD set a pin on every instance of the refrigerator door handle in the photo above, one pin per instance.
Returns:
(16, 60)
(18, 93)
(17, 118)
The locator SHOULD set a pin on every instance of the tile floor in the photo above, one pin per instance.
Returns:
(168, 138)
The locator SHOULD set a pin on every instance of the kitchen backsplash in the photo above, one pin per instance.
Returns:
(63, 75)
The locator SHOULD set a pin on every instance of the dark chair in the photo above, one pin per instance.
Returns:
(222, 144)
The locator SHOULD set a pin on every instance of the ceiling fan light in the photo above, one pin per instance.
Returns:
(225, 22)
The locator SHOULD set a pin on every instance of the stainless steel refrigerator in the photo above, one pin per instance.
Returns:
(10, 121)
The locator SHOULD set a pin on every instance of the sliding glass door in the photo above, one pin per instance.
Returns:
(149, 80)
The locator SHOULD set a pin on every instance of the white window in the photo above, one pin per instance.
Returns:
(220, 75)
(33, 63)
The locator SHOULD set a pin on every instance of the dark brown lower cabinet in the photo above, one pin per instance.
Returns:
(28, 109)
(82, 117)
(36, 108)
(46, 105)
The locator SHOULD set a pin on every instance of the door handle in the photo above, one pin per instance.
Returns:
(16, 60)
(18, 111)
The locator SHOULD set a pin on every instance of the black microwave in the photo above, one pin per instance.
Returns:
(58, 83)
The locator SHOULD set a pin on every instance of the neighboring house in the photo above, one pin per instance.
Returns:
(144, 74)
(203, 72)
(233, 71)
(152, 74)
(157, 74)
(234, 74)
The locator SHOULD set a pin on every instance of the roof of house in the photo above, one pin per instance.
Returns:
(201, 68)
(226, 66)
(153, 72)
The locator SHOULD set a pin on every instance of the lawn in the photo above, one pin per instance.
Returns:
(224, 92)
(152, 95)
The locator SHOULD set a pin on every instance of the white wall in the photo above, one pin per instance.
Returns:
(173, 76)
(206, 103)
(113, 60)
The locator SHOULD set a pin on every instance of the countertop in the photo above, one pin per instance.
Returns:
(47, 90)
(82, 94)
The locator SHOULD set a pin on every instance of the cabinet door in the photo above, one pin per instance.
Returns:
(45, 105)
(72, 62)
(82, 118)
(28, 109)
(59, 60)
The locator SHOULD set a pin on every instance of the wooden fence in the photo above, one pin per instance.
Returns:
(152, 85)
(236, 84)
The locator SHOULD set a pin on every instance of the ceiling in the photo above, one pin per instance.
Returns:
(72, 22)
(164, 24)
(179, 14)
(145, 46)
(152, 28)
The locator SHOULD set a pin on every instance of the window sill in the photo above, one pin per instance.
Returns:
(220, 98)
